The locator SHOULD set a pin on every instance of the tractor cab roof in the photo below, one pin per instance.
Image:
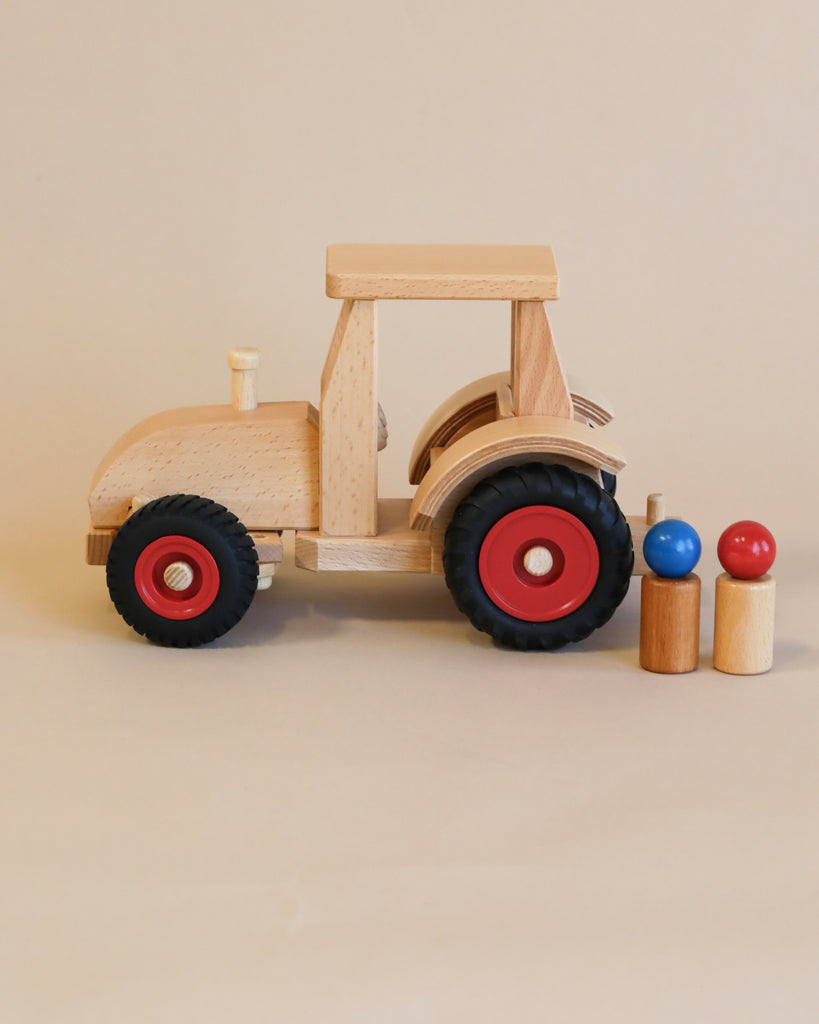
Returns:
(515, 272)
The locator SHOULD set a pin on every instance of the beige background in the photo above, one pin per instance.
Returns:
(354, 808)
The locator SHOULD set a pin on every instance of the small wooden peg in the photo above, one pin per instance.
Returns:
(655, 509)
(670, 623)
(244, 362)
(744, 624)
(139, 500)
(267, 570)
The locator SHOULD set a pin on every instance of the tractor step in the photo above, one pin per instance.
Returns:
(395, 548)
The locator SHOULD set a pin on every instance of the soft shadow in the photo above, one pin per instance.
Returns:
(619, 638)
(46, 575)
(787, 654)
(303, 605)
(44, 572)
(52, 579)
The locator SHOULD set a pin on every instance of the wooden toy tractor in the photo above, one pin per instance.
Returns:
(514, 475)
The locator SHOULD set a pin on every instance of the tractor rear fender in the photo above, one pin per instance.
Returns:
(509, 442)
(476, 404)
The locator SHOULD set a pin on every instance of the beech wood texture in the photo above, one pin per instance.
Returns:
(396, 547)
(505, 405)
(744, 624)
(640, 525)
(349, 425)
(670, 623)
(441, 272)
(244, 362)
(97, 545)
(507, 443)
(539, 386)
(655, 509)
(269, 548)
(262, 465)
(587, 401)
(483, 401)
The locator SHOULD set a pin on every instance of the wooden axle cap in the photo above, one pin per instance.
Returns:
(244, 362)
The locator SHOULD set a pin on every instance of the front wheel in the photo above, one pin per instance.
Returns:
(538, 556)
(182, 570)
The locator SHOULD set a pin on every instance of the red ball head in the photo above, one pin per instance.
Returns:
(746, 550)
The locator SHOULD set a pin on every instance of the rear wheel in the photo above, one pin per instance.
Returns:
(538, 556)
(182, 570)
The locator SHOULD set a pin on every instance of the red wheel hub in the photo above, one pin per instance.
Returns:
(176, 577)
(539, 563)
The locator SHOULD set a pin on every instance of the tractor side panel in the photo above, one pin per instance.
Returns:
(262, 465)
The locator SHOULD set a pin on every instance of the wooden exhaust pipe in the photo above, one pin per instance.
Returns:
(244, 362)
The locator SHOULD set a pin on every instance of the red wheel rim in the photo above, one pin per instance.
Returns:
(171, 603)
(568, 569)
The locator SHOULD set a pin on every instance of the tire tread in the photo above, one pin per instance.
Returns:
(515, 487)
(218, 522)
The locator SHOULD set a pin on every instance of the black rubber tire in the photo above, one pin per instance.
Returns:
(217, 530)
(609, 483)
(519, 487)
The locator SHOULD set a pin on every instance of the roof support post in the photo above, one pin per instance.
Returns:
(539, 386)
(348, 463)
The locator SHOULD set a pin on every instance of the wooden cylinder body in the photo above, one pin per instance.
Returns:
(244, 362)
(655, 509)
(744, 624)
(670, 623)
(244, 390)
